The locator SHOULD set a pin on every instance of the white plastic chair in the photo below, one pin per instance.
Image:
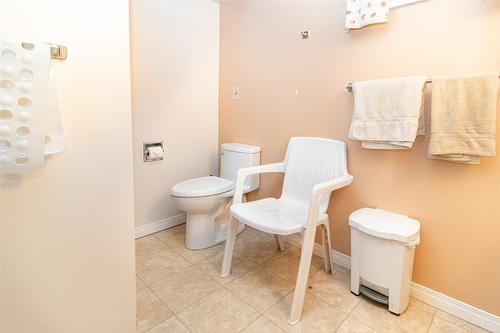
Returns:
(313, 167)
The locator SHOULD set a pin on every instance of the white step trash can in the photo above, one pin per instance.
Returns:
(382, 251)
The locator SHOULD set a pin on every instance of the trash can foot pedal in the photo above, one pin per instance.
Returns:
(374, 295)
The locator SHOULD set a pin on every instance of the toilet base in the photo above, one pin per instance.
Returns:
(206, 230)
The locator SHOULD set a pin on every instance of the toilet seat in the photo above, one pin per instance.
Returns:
(201, 187)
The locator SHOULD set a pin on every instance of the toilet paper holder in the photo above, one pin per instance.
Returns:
(146, 151)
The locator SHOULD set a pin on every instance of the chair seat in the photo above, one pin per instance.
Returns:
(273, 216)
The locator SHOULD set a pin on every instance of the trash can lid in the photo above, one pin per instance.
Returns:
(384, 224)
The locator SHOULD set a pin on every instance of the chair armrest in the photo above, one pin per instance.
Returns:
(244, 172)
(317, 194)
(331, 185)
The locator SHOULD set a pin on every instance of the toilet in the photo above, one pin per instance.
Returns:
(206, 200)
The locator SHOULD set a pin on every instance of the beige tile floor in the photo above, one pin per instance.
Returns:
(179, 290)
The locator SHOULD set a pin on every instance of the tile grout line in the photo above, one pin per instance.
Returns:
(243, 301)
(152, 255)
(264, 314)
(364, 323)
(456, 325)
(138, 278)
(189, 305)
(255, 262)
(349, 316)
(174, 315)
(169, 248)
(229, 291)
(430, 325)
(163, 303)
(335, 306)
(183, 323)
(260, 313)
(146, 285)
(354, 308)
(250, 323)
(343, 321)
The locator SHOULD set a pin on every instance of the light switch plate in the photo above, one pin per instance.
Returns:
(235, 94)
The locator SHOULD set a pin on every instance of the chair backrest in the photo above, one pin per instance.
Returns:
(310, 161)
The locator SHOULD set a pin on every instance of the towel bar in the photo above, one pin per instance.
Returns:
(348, 86)
(57, 52)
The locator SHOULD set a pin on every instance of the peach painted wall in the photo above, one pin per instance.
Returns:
(291, 86)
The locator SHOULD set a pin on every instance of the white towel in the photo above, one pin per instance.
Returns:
(388, 113)
(360, 13)
(463, 117)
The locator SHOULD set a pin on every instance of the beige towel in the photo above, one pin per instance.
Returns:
(388, 113)
(463, 117)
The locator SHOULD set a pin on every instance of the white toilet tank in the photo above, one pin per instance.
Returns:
(238, 155)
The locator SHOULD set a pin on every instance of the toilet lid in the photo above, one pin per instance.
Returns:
(203, 186)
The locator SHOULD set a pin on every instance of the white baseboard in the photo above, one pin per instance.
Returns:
(459, 309)
(341, 259)
(151, 228)
(440, 301)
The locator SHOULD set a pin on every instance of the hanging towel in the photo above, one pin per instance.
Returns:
(388, 113)
(360, 13)
(463, 117)
(26, 101)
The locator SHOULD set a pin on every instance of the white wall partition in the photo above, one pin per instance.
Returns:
(175, 70)
(67, 249)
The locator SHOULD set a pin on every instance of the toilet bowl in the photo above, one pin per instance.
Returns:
(206, 200)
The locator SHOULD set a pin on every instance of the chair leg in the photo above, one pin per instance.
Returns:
(302, 276)
(228, 252)
(330, 243)
(280, 243)
(326, 248)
